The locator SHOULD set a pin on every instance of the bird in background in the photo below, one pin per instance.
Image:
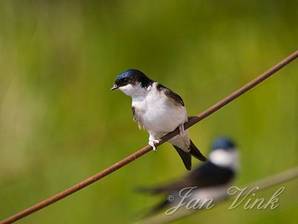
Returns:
(210, 180)
(158, 110)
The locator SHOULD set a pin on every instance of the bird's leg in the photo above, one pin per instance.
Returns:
(153, 141)
(182, 131)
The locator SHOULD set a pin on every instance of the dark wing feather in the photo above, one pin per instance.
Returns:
(157, 208)
(172, 95)
(166, 188)
(134, 113)
(137, 118)
(185, 156)
(207, 175)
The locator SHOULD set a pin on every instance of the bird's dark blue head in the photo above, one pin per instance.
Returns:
(223, 143)
(131, 76)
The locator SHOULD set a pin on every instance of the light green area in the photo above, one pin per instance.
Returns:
(59, 121)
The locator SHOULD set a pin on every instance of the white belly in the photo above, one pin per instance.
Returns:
(159, 114)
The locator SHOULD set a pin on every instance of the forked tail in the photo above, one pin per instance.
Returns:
(194, 151)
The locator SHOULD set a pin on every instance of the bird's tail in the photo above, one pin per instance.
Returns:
(194, 151)
(149, 212)
(185, 156)
(150, 190)
(157, 208)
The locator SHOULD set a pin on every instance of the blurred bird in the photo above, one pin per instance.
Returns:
(210, 181)
(158, 110)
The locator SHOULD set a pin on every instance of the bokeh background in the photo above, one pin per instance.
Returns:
(59, 121)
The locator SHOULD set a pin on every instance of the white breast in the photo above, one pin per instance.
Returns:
(158, 113)
(225, 158)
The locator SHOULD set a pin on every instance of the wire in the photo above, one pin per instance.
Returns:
(142, 151)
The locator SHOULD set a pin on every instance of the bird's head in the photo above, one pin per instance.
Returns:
(223, 143)
(132, 82)
(224, 153)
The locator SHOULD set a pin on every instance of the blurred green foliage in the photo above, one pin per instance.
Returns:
(59, 122)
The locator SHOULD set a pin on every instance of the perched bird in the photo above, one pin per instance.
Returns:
(158, 110)
(210, 180)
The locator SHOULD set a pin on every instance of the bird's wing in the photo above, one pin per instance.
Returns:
(166, 188)
(137, 118)
(172, 95)
(207, 175)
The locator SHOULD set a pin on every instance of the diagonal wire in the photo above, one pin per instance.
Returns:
(142, 151)
(259, 185)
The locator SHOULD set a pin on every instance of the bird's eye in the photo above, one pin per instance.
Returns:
(125, 80)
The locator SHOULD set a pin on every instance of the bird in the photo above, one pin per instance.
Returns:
(158, 110)
(210, 180)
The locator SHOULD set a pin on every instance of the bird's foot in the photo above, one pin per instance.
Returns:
(153, 142)
(182, 131)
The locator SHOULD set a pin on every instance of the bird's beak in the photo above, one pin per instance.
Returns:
(114, 87)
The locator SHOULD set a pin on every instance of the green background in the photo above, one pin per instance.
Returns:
(59, 121)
